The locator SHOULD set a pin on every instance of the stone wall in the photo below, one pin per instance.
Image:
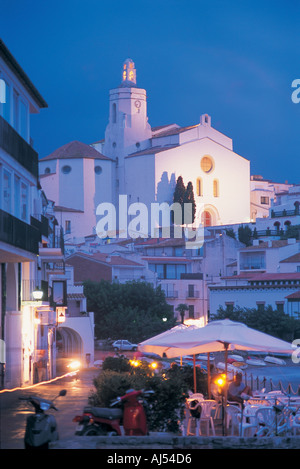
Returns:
(169, 442)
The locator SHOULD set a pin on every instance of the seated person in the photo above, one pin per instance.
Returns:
(237, 390)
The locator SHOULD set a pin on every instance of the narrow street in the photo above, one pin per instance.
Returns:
(13, 412)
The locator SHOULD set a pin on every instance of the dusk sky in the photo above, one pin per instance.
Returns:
(233, 60)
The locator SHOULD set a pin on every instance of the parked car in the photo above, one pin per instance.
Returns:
(123, 345)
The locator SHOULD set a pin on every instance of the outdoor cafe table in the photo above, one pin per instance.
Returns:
(251, 406)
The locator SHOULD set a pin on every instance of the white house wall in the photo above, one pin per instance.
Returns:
(248, 298)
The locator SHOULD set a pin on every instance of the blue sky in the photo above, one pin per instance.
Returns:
(233, 60)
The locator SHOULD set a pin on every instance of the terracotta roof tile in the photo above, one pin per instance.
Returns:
(75, 149)
(294, 258)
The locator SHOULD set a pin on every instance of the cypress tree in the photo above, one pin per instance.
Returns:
(189, 198)
(178, 195)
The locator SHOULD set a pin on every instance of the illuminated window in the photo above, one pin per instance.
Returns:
(216, 188)
(206, 164)
(206, 218)
(131, 75)
(199, 187)
(124, 73)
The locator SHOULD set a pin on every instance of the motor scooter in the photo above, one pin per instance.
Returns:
(41, 428)
(107, 421)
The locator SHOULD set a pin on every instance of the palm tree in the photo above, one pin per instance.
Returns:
(181, 308)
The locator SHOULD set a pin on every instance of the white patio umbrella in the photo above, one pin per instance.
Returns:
(152, 345)
(215, 336)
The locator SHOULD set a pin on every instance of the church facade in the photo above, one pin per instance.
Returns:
(143, 163)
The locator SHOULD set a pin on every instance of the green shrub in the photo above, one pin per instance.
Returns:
(116, 364)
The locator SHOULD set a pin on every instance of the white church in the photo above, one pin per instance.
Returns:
(143, 163)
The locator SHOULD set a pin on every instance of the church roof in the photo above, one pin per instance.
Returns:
(174, 131)
(75, 149)
(152, 150)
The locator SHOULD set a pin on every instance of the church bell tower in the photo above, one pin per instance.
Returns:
(128, 122)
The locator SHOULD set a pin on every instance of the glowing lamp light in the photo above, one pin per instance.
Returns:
(153, 365)
(220, 382)
(75, 365)
(37, 294)
(134, 363)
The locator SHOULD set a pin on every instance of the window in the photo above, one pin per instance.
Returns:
(280, 306)
(168, 271)
(191, 311)
(68, 226)
(24, 201)
(191, 291)
(206, 218)
(260, 306)
(199, 187)
(66, 169)
(264, 200)
(298, 268)
(47, 170)
(5, 105)
(229, 306)
(17, 196)
(216, 187)
(98, 169)
(6, 191)
(178, 251)
(206, 164)
(252, 260)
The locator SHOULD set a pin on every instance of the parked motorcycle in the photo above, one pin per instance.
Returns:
(41, 428)
(108, 421)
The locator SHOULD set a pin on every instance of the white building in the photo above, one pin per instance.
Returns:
(284, 212)
(264, 194)
(77, 178)
(143, 163)
(21, 224)
(268, 273)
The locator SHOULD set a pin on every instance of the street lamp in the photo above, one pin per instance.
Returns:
(37, 294)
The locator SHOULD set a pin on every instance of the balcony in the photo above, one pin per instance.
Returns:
(192, 294)
(19, 234)
(285, 213)
(18, 148)
(252, 261)
(169, 291)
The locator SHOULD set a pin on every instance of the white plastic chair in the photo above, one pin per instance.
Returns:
(295, 424)
(206, 415)
(266, 423)
(233, 418)
(192, 422)
(239, 424)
